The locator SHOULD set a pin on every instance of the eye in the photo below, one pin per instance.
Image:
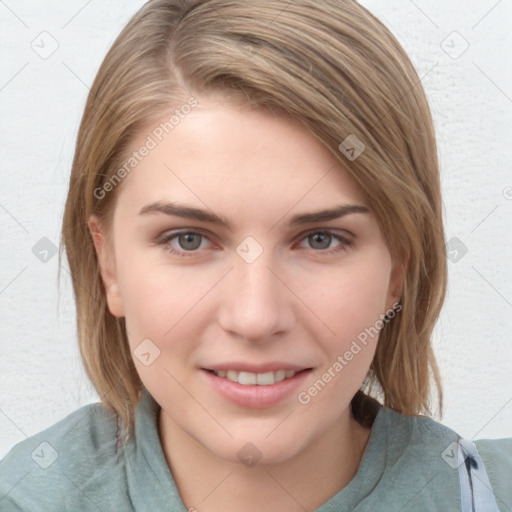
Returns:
(181, 243)
(189, 241)
(326, 241)
(320, 240)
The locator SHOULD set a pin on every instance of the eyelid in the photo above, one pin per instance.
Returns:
(164, 240)
(342, 233)
(172, 233)
(167, 236)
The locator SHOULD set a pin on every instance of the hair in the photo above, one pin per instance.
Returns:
(336, 70)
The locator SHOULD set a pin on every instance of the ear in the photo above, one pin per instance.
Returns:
(396, 280)
(106, 260)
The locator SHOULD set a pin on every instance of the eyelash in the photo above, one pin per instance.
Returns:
(166, 238)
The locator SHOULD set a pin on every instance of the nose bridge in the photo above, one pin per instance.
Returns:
(258, 286)
(256, 305)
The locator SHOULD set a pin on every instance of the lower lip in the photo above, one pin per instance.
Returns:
(253, 396)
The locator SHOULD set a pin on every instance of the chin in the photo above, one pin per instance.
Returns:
(258, 445)
(257, 452)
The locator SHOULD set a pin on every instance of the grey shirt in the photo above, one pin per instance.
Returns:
(82, 464)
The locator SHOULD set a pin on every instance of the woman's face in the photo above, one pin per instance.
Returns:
(241, 250)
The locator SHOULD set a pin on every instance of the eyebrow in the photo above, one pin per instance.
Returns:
(198, 214)
(330, 214)
(184, 211)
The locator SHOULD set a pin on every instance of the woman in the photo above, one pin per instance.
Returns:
(254, 232)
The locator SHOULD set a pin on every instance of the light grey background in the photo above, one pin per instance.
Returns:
(41, 102)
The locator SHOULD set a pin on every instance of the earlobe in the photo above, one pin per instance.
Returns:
(396, 282)
(104, 253)
(115, 304)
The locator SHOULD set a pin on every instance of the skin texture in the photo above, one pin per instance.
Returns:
(297, 303)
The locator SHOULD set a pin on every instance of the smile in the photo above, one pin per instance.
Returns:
(252, 379)
(255, 390)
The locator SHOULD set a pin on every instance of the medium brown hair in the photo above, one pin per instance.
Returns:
(332, 67)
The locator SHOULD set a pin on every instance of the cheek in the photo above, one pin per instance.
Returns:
(163, 302)
(159, 304)
(350, 302)
(349, 298)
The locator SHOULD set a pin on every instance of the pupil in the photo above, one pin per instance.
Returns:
(320, 240)
(189, 241)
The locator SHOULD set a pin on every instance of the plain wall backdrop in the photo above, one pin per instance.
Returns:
(50, 54)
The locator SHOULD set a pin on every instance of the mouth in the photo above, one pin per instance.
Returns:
(256, 379)
(255, 389)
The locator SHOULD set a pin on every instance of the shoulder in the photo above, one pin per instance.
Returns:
(425, 449)
(418, 455)
(45, 471)
(421, 434)
(496, 455)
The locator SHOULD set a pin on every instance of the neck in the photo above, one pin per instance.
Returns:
(208, 483)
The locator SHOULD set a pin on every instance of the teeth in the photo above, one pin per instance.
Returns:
(251, 379)
(281, 375)
(232, 375)
(264, 379)
(247, 378)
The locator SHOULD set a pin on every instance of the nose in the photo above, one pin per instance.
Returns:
(256, 305)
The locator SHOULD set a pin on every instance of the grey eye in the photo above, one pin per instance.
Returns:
(189, 241)
(320, 240)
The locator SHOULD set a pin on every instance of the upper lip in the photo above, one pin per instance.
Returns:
(256, 368)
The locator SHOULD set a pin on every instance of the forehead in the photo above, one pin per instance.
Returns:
(228, 157)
